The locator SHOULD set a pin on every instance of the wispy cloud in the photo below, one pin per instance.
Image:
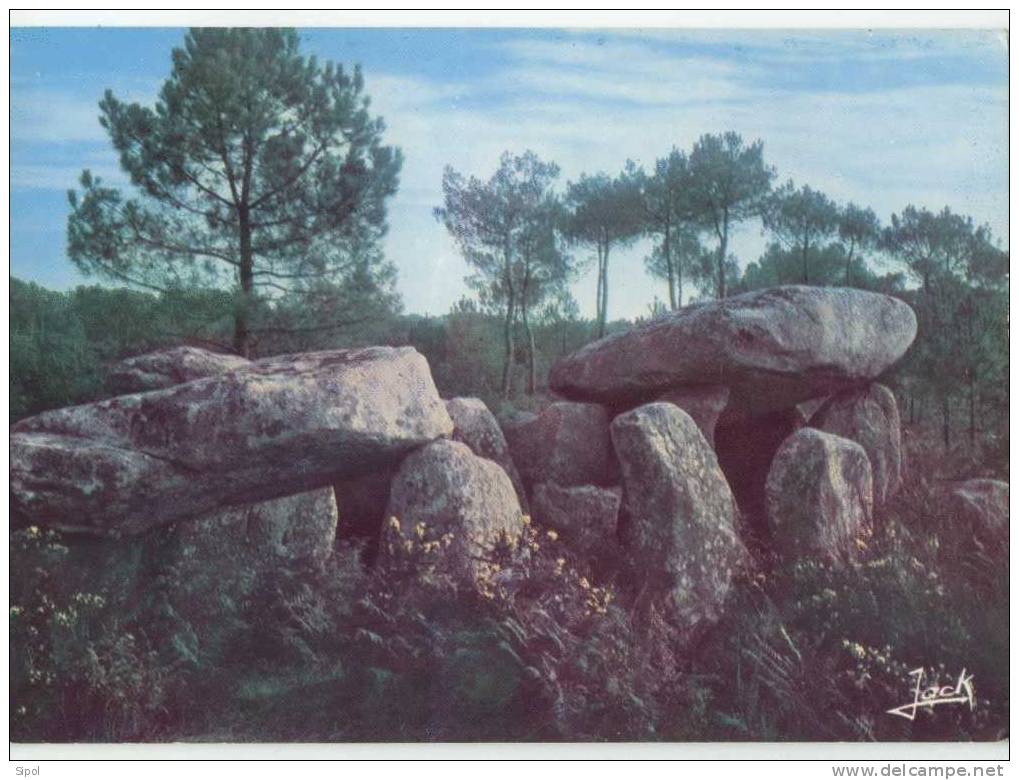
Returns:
(856, 45)
(619, 72)
(67, 114)
(61, 177)
(48, 116)
(590, 107)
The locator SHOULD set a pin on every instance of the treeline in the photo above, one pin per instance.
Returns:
(527, 240)
(62, 342)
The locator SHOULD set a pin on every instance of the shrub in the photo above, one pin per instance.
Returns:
(77, 671)
(531, 649)
(533, 643)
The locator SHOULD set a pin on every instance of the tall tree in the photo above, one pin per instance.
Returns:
(729, 183)
(930, 244)
(959, 268)
(802, 220)
(669, 218)
(661, 193)
(497, 225)
(606, 212)
(860, 231)
(561, 312)
(257, 169)
(543, 269)
(682, 261)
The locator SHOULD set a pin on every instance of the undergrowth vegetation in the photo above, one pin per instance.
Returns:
(534, 645)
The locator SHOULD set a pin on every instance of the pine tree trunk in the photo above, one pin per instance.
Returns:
(669, 267)
(972, 410)
(246, 274)
(723, 248)
(531, 373)
(507, 359)
(604, 296)
(679, 285)
(603, 316)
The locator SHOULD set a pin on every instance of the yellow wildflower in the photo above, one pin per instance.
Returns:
(855, 649)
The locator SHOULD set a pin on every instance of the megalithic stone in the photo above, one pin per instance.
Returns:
(772, 349)
(277, 427)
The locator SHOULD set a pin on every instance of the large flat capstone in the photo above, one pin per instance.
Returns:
(277, 427)
(169, 367)
(773, 349)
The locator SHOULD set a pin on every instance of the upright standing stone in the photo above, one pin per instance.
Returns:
(219, 558)
(679, 512)
(476, 426)
(452, 491)
(870, 417)
(586, 515)
(978, 508)
(704, 403)
(207, 568)
(567, 443)
(819, 496)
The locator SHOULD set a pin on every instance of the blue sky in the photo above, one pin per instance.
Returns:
(881, 118)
